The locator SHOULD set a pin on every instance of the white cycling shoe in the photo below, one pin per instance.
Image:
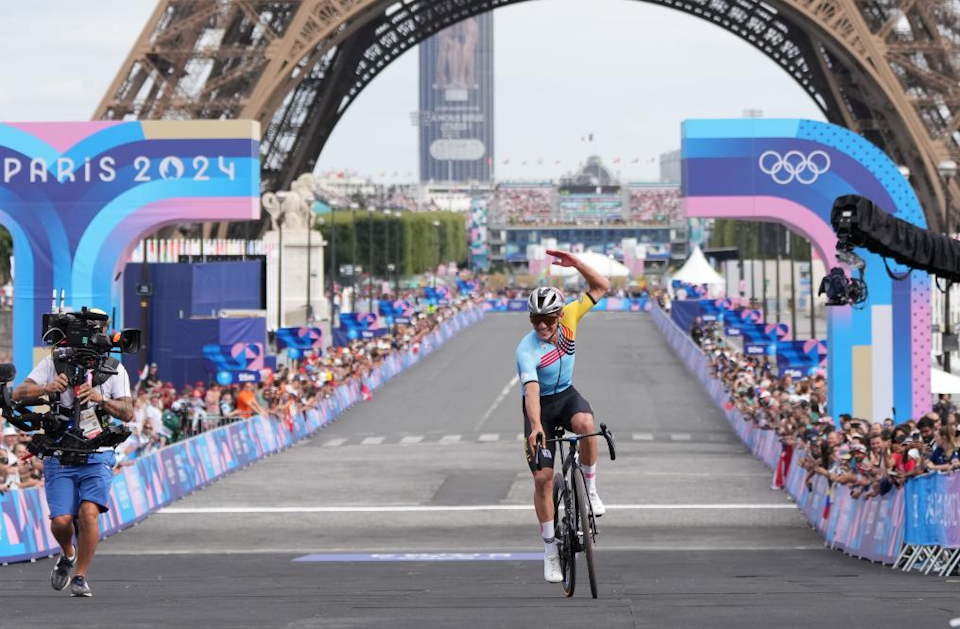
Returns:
(596, 504)
(551, 568)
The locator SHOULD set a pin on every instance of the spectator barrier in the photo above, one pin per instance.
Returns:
(617, 304)
(870, 529)
(162, 477)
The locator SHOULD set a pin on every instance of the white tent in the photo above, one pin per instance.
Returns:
(696, 270)
(608, 267)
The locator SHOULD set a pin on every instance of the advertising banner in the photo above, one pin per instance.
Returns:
(456, 102)
(301, 338)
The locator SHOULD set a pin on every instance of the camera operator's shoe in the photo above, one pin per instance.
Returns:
(79, 587)
(60, 576)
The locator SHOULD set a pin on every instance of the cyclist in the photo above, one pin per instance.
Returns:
(545, 360)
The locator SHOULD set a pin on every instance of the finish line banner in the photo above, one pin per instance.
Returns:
(869, 529)
(156, 480)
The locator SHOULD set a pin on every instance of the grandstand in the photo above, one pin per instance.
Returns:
(588, 210)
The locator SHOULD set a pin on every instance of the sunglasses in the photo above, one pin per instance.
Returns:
(549, 320)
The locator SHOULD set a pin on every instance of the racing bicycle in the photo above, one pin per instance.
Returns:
(574, 524)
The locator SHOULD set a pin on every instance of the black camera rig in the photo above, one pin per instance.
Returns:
(81, 348)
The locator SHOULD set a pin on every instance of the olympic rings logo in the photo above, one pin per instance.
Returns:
(794, 166)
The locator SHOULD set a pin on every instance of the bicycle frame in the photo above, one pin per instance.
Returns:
(577, 528)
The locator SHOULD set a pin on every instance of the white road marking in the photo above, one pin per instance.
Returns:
(682, 436)
(262, 550)
(642, 436)
(372, 441)
(496, 403)
(520, 437)
(334, 442)
(449, 439)
(411, 439)
(490, 437)
(451, 508)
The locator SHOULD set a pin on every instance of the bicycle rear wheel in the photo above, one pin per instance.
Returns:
(566, 533)
(583, 509)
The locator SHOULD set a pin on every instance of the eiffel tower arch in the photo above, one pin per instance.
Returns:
(886, 69)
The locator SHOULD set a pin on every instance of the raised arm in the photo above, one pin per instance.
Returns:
(598, 284)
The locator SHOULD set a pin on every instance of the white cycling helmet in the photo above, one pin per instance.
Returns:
(546, 300)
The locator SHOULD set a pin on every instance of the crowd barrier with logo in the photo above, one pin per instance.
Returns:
(158, 479)
(871, 529)
(613, 304)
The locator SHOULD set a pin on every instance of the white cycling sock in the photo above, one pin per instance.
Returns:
(590, 475)
(549, 539)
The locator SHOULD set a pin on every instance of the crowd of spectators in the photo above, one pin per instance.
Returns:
(870, 457)
(515, 205)
(654, 206)
(535, 206)
(164, 415)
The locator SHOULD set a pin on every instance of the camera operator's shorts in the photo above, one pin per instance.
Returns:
(556, 411)
(69, 485)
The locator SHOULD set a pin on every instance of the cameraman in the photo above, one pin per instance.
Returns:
(78, 493)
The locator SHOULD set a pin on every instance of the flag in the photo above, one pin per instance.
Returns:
(616, 160)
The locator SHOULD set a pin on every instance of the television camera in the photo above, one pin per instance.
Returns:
(82, 348)
(859, 222)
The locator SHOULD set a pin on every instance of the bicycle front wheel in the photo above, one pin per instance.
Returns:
(583, 509)
(565, 529)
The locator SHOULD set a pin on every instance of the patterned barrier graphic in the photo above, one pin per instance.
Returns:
(870, 529)
(618, 304)
(158, 479)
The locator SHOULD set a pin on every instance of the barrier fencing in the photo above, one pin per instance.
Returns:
(156, 480)
(869, 529)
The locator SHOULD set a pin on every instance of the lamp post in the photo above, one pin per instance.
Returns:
(777, 238)
(436, 250)
(386, 249)
(309, 311)
(279, 271)
(947, 169)
(333, 256)
(370, 211)
(793, 287)
(396, 270)
(763, 262)
(353, 257)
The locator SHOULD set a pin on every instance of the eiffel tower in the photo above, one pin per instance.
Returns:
(886, 69)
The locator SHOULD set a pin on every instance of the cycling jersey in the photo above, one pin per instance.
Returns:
(552, 365)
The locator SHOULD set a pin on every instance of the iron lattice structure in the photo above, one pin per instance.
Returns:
(887, 69)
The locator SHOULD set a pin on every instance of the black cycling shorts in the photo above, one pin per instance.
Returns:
(556, 411)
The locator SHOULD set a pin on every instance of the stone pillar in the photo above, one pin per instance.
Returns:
(290, 213)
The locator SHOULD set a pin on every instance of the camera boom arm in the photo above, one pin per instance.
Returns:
(859, 222)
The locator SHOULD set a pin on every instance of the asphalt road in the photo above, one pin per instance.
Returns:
(413, 510)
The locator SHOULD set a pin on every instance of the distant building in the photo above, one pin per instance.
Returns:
(670, 167)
